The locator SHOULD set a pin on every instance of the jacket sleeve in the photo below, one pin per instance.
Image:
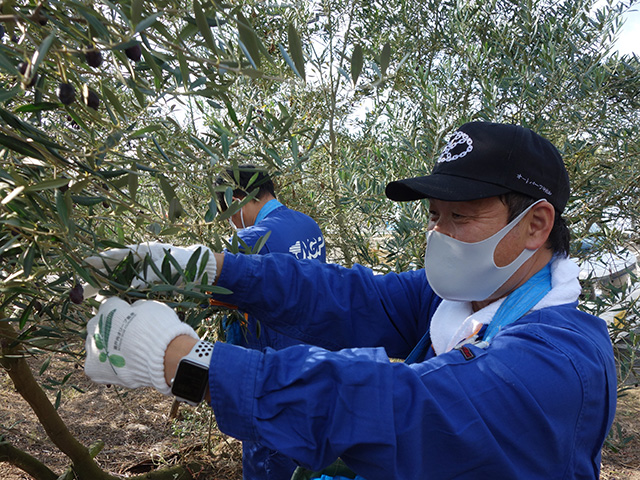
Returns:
(328, 305)
(536, 404)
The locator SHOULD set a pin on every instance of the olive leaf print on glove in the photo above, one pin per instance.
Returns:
(102, 341)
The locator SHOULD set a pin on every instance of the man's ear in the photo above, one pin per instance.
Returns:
(541, 220)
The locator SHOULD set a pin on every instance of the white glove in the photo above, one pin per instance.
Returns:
(157, 252)
(126, 343)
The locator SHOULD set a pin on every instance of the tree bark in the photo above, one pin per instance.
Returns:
(24, 461)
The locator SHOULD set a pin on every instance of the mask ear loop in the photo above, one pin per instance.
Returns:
(526, 253)
(511, 225)
(233, 225)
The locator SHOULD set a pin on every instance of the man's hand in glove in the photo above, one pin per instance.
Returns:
(205, 260)
(126, 344)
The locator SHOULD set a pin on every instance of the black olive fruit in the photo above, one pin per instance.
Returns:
(90, 97)
(93, 58)
(76, 295)
(93, 100)
(134, 52)
(66, 93)
(23, 68)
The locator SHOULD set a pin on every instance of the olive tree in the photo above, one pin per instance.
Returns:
(99, 148)
(387, 82)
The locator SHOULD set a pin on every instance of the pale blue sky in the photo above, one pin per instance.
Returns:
(629, 41)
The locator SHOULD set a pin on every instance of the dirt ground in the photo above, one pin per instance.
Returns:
(139, 434)
(135, 425)
(621, 458)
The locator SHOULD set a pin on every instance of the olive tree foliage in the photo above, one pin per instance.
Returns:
(301, 128)
(100, 148)
(547, 65)
(387, 82)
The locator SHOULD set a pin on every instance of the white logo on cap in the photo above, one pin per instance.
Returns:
(458, 138)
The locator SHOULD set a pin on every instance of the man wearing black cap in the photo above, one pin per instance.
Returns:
(504, 377)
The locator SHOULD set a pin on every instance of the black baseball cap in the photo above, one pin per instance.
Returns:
(484, 160)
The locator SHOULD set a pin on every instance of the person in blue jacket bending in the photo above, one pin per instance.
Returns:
(286, 231)
(504, 378)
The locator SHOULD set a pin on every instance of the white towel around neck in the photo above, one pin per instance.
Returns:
(456, 321)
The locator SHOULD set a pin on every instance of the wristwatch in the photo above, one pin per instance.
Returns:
(192, 375)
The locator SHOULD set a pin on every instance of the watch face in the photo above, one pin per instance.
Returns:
(190, 381)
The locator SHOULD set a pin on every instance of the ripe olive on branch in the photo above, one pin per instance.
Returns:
(93, 58)
(134, 52)
(66, 93)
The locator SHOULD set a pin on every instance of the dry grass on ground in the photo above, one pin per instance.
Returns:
(623, 460)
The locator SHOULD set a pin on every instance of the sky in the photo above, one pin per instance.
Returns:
(629, 39)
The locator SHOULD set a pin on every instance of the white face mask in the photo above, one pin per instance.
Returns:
(233, 225)
(466, 272)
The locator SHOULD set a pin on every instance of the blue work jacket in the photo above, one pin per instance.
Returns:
(536, 404)
(289, 231)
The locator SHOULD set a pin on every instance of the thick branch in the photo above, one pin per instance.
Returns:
(24, 461)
